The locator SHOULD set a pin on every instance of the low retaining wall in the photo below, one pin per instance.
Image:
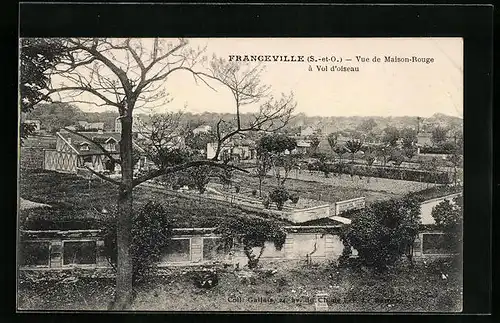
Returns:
(46, 250)
(352, 204)
(309, 214)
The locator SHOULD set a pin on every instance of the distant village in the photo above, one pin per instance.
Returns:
(66, 151)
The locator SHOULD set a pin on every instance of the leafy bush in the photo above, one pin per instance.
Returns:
(279, 196)
(251, 233)
(206, 278)
(254, 192)
(294, 198)
(449, 218)
(385, 231)
(151, 233)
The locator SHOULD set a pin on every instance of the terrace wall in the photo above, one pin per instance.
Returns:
(55, 250)
(85, 249)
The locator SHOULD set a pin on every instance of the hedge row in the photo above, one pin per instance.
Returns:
(385, 172)
(445, 150)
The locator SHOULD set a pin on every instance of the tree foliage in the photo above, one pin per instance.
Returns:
(279, 196)
(391, 136)
(353, 146)
(384, 231)
(369, 156)
(151, 233)
(55, 116)
(199, 140)
(253, 232)
(332, 140)
(397, 157)
(314, 143)
(448, 216)
(37, 57)
(408, 137)
(367, 125)
(271, 149)
(439, 135)
(276, 144)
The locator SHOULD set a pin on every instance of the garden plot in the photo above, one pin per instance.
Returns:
(336, 189)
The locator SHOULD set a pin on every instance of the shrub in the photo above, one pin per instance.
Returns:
(205, 278)
(237, 189)
(294, 198)
(151, 233)
(254, 192)
(446, 148)
(279, 196)
(449, 218)
(385, 231)
(266, 202)
(254, 232)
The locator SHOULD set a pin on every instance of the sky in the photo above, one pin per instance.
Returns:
(377, 89)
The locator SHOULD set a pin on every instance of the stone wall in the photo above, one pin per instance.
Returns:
(309, 214)
(298, 246)
(352, 204)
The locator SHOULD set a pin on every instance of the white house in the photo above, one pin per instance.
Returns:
(202, 129)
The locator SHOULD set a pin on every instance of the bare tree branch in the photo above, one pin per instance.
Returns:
(104, 177)
(176, 168)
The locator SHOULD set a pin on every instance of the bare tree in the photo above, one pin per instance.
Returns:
(244, 82)
(126, 74)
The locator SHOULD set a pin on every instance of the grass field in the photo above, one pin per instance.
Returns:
(291, 288)
(75, 203)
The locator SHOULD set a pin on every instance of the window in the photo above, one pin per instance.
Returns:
(214, 248)
(177, 250)
(110, 147)
(35, 253)
(79, 252)
(84, 146)
(87, 159)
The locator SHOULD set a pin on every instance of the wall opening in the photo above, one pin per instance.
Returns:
(177, 250)
(79, 252)
(35, 254)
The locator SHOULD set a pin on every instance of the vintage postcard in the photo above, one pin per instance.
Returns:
(240, 174)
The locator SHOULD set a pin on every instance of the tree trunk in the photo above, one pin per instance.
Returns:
(260, 186)
(123, 290)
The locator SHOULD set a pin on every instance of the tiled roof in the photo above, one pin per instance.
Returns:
(100, 137)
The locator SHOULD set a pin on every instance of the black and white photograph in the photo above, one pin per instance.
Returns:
(287, 174)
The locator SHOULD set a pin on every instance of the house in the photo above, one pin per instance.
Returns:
(236, 149)
(202, 129)
(308, 131)
(74, 152)
(84, 125)
(302, 147)
(424, 139)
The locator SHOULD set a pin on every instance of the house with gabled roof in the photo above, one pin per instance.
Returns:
(75, 152)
